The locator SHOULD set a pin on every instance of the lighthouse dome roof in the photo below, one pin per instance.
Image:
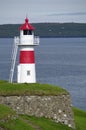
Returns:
(26, 25)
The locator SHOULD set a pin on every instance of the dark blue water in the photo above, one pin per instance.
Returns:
(59, 61)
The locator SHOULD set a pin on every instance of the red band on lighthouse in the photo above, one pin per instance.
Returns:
(27, 57)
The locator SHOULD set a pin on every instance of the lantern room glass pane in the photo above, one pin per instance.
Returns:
(27, 32)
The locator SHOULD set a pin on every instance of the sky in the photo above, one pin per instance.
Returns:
(15, 11)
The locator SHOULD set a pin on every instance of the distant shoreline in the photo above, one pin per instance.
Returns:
(47, 30)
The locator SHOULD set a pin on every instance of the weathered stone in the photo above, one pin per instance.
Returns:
(57, 108)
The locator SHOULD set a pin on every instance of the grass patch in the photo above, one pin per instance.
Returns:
(46, 124)
(80, 119)
(6, 112)
(15, 89)
(16, 124)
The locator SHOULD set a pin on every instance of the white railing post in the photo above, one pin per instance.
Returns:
(36, 40)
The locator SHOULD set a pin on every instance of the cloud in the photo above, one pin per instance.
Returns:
(75, 13)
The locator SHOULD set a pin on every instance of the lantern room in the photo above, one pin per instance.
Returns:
(27, 33)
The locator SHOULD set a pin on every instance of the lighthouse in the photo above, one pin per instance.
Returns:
(26, 72)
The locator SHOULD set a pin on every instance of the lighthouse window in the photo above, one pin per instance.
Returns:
(30, 32)
(28, 72)
(25, 32)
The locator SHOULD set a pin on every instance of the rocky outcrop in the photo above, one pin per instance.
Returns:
(57, 108)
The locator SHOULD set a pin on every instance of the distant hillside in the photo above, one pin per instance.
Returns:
(47, 30)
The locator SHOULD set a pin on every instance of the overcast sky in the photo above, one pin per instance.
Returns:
(15, 11)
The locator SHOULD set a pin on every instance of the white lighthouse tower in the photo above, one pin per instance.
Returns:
(27, 41)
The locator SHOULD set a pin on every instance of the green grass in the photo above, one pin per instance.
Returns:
(16, 124)
(46, 124)
(9, 89)
(80, 119)
(6, 112)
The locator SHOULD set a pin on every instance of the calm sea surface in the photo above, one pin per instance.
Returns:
(59, 61)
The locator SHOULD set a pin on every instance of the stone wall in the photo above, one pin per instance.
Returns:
(57, 108)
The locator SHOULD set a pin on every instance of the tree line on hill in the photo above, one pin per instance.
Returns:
(47, 30)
